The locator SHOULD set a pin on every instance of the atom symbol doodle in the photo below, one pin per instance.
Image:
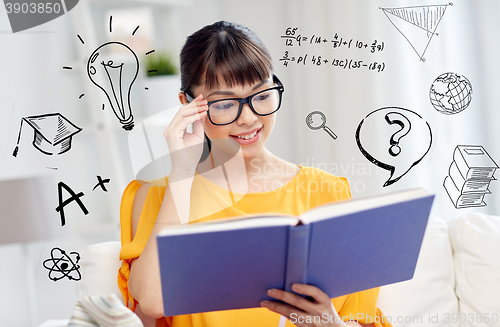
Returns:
(62, 266)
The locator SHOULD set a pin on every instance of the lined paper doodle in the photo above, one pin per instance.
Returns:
(417, 24)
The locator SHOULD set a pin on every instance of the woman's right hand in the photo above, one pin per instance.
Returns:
(186, 148)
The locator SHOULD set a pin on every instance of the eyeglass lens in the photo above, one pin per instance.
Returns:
(226, 111)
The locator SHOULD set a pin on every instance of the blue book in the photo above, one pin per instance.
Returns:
(342, 248)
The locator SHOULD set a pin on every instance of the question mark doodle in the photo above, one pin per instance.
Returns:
(401, 120)
(376, 128)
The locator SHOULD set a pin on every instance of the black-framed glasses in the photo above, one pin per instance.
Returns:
(263, 103)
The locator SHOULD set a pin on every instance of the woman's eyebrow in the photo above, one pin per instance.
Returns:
(232, 93)
(220, 93)
(261, 83)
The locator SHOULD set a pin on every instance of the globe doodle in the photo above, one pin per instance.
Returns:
(61, 265)
(450, 93)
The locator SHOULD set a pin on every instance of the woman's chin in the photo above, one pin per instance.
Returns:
(250, 151)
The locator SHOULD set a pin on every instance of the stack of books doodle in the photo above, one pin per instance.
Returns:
(469, 176)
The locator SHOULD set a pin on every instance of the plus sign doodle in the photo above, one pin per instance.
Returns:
(61, 265)
(101, 183)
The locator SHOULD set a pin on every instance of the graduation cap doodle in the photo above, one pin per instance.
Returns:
(53, 133)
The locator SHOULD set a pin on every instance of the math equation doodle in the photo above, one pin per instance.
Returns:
(341, 63)
(338, 42)
(417, 24)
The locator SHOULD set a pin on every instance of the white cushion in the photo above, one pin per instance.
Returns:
(428, 298)
(99, 267)
(476, 244)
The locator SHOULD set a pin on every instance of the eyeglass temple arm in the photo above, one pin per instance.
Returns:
(277, 80)
(189, 98)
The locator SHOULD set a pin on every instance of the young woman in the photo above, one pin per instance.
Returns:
(230, 95)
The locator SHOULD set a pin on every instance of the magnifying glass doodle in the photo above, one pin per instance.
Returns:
(315, 125)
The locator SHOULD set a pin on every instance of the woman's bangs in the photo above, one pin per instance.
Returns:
(237, 65)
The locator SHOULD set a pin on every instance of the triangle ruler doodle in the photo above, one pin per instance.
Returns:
(417, 24)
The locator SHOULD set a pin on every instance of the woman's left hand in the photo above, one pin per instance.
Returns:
(303, 312)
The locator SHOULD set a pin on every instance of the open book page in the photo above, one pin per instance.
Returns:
(337, 209)
(264, 220)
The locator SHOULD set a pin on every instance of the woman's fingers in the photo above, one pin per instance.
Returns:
(293, 299)
(312, 291)
(195, 106)
(181, 126)
(198, 125)
(188, 110)
(186, 115)
(283, 309)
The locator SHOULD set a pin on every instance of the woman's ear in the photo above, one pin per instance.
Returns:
(182, 98)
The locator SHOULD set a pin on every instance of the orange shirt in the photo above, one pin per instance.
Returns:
(311, 187)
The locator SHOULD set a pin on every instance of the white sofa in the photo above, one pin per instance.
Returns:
(456, 281)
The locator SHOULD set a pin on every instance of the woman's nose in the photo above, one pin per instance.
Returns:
(247, 117)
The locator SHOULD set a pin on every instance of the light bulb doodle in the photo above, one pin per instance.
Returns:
(319, 125)
(61, 265)
(115, 75)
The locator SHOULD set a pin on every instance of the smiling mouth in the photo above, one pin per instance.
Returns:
(248, 136)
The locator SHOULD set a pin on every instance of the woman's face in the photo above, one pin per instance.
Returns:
(256, 128)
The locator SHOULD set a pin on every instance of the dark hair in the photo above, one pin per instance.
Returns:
(225, 51)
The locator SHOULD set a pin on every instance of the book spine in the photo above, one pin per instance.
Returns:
(297, 256)
(452, 190)
(455, 176)
(462, 165)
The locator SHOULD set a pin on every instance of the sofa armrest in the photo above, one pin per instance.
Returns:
(428, 298)
(476, 253)
(99, 267)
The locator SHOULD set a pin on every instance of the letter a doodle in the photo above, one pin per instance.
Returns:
(74, 197)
